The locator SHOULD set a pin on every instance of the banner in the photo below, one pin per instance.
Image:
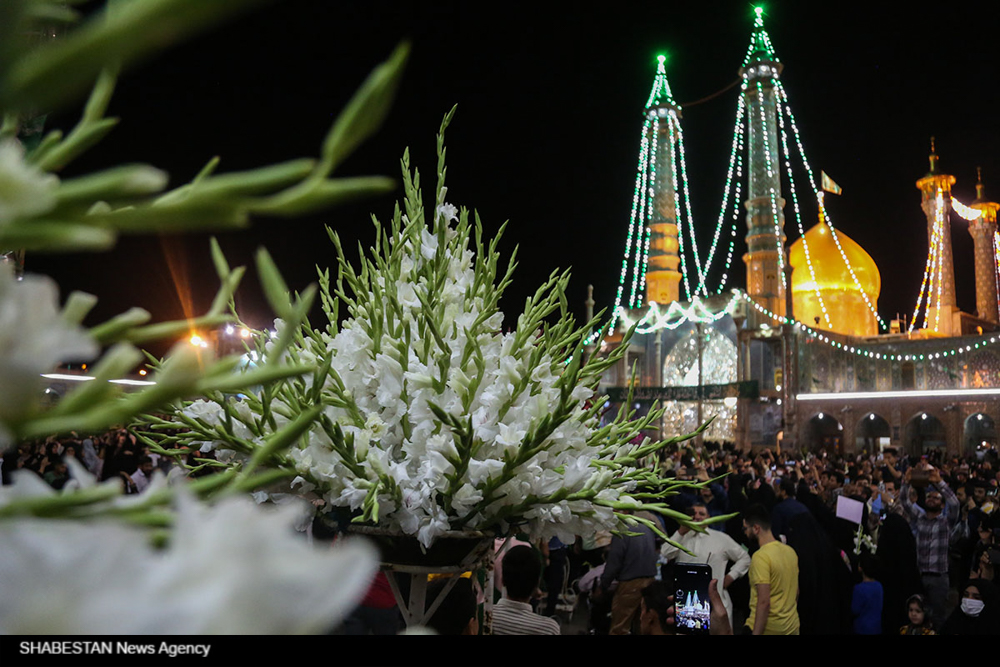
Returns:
(748, 389)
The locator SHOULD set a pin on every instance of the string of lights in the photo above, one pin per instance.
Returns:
(783, 95)
(687, 206)
(677, 314)
(996, 274)
(651, 205)
(735, 160)
(928, 273)
(870, 351)
(939, 223)
(770, 174)
(967, 212)
(679, 219)
(639, 222)
(798, 216)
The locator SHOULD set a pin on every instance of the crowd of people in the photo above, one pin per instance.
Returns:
(867, 544)
(115, 454)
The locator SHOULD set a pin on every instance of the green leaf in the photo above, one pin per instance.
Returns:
(110, 184)
(55, 236)
(315, 195)
(366, 111)
(274, 285)
(55, 73)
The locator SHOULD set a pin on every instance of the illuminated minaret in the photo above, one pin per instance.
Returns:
(942, 300)
(765, 258)
(983, 230)
(662, 273)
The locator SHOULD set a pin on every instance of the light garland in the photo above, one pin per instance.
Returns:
(640, 222)
(687, 205)
(758, 27)
(735, 160)
(638, 229)
(798, 216)
(928, 273)
(651, 205)
(939, 223)
(677, 218)
(996, 274)
(770, 174)
(967, 212)
(677, 314)
(783, 95)
(869, 351)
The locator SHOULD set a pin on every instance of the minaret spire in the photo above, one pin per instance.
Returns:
(935, 190)
(983, 230)
(765, 256)
(663, 274)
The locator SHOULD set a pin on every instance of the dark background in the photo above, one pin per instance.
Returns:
(547, 130)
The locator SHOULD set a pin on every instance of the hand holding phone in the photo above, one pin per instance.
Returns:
(692, 609)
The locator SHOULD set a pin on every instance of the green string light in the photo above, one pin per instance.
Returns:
(868, 352)
(649, 212)
(687, 206)
(798, 216)
(783, 97)
(735, 157)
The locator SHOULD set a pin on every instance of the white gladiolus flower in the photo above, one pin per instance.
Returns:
(25, 190)
(34, 339)
(97, 578)
(434, 418)
(447, 211)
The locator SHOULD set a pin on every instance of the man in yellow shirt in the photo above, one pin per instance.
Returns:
(774, 578)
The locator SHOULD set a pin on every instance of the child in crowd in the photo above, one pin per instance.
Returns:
(920, 622)
(866, 603)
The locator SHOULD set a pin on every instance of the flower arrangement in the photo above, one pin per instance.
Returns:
(423, 415)
(88, 559)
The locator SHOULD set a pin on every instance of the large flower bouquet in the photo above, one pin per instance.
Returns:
(423, 414)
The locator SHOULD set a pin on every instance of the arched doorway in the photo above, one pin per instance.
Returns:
(872, 434)
(980, 433)
(823, 430)
(924, 431)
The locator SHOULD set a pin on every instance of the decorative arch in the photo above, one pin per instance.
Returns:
(924, 432)
(872, 433)
(823, 430)
(980, 431)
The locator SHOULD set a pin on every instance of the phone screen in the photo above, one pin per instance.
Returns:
(692, 613)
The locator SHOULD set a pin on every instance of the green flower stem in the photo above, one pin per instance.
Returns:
(49, 76)
(55, 505)
(281, 440)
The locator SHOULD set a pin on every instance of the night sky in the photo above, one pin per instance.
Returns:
(548, 127)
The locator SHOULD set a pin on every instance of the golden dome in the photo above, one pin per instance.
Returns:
(848, 313)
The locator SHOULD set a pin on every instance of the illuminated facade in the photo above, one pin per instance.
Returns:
(800, 358)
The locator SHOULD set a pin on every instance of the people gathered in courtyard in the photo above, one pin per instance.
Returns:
(826, 543)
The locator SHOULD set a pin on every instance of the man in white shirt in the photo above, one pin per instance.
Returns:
(143, 474)
(513, 615)
(713, 547)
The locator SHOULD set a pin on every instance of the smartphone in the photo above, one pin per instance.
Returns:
(691, 610)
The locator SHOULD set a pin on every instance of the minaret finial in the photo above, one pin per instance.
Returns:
(933, 158)
(980, 189)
